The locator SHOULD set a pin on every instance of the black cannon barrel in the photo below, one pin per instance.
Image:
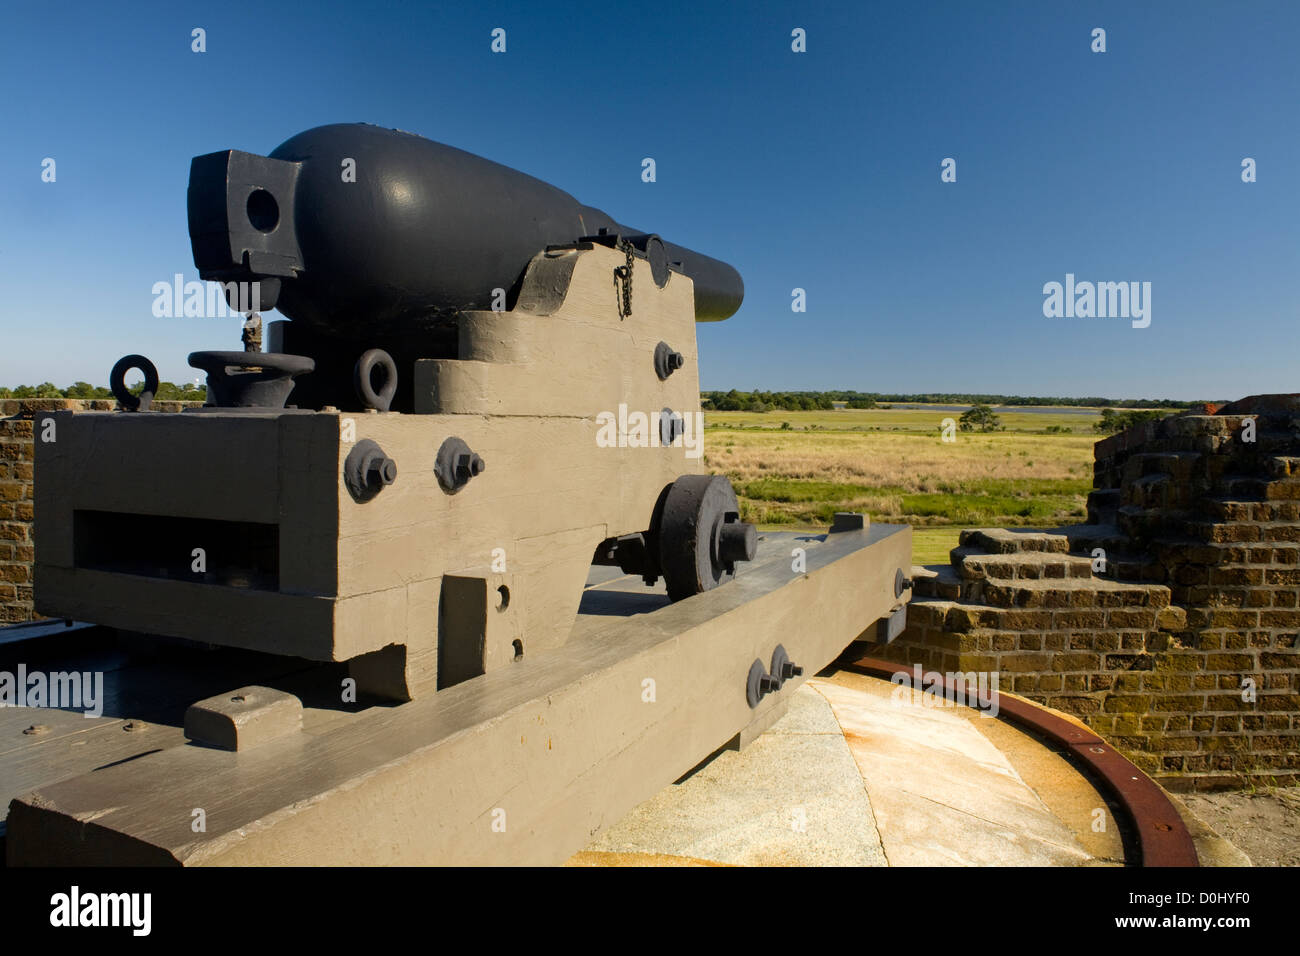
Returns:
(352, 224)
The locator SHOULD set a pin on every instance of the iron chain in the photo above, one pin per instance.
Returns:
(623, 279)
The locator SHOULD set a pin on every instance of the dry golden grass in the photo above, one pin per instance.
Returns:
(893, 465)
(914, 463)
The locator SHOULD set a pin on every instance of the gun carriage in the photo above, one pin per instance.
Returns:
(473, 438)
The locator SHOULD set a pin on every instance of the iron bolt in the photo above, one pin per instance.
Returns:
(468, 466)
(380, 472)
(667, 360)
(456, 464)
(901, 583)
(790, 669)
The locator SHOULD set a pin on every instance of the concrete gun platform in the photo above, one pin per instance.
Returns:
(857, 775)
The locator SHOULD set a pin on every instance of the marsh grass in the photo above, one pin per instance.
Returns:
(893, 465)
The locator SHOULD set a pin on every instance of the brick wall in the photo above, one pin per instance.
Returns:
(1179, 644)
(16, 499)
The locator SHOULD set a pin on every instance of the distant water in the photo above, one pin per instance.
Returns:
(1042, 409)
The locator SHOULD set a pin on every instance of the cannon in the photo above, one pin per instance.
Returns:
(468, 470)
(499, 436)
(430, 229)
(374, 238)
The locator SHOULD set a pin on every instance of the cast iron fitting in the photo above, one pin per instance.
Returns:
(758, 684)
(367, 470)
(456, 464)
(667, 361)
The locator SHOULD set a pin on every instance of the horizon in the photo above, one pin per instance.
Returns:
(941, 398)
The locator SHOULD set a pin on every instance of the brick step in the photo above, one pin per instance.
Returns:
(1082, 538)
(955, 620)
(1251, 488)
(1226, 508)
(1008, 541)
(1134, 568)
(1270, 442)
(958, 555)
(1245, 534)
(1178, 464)
(1283, 466)
(940, 581)
(1103, 503)
(1068, 593)
(1018, 566)
(1157, 491)
(1145, 523)
(1184, 551)
(1124, 562)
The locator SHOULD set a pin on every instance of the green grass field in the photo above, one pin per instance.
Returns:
(931, 545)
(794, 470)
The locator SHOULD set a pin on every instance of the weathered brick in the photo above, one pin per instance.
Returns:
(1131, 617)
(1075, 683)
(15, 573)
(1023, 662)
(1077, 704)
(1278, 661)
(1075, 662)
(1226, 702)
(1229, 662)
(1279, 619)
(1242, 577)
(1228, 618)
(1182, 662)
(966, 617)
(1137, 704)
(1186, 704)
(1127, 725)
(1017, 620)
(1137, 662)
(1076, 619)
(1171, 618)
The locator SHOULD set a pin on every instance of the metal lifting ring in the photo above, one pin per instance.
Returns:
(117, 383)
(365, 389)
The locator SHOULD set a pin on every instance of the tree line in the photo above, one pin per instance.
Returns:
(762, 401)
(167, 391)
(757, 400)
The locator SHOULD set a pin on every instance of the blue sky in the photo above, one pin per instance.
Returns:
(818, 170)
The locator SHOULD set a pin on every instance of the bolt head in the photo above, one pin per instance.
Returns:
(381, 471)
